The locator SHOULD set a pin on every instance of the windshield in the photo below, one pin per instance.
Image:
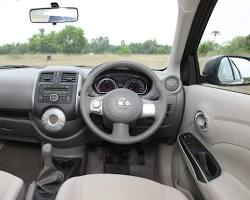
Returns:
(141, 31)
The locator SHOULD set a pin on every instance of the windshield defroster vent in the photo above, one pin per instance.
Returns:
(68, 77)
(47, 77)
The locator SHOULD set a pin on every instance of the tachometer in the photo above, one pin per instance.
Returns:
(136, 85)
(105, 85)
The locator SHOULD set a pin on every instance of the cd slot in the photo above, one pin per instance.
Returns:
(55, 87)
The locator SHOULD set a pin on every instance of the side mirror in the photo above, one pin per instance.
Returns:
(227, 70)
(54, 15)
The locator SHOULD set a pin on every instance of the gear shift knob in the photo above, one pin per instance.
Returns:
(47, 151)
(50, 178)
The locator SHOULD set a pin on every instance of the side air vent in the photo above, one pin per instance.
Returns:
(173, 84)
(47, 77)
(68, 77)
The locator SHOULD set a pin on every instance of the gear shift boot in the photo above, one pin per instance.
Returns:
(49, 179)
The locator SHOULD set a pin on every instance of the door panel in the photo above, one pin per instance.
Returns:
(227, 138)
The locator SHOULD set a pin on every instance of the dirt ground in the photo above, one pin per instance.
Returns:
(153, 61)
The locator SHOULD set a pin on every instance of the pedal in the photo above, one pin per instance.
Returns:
(117, 168)
(109, 157)
(140, 156)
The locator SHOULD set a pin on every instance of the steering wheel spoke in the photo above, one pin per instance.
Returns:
(95, 105)
(121, 131)
(149, 108)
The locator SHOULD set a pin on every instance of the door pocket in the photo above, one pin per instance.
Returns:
(205, 166)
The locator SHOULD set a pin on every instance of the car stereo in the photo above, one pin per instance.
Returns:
(61, 94)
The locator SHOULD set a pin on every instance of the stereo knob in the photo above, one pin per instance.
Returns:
(53, 97)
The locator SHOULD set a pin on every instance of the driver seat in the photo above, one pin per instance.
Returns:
(116, 187)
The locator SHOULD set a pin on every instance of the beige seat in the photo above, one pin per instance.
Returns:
(11, 187)
(116, 187)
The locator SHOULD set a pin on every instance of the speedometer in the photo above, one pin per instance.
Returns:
(105, 85)
(136, 85)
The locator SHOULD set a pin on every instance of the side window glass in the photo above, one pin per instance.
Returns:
(224, 50)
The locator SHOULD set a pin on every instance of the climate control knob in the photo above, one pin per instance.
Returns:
(53, 120)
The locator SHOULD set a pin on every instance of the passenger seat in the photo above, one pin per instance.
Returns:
(11, 187)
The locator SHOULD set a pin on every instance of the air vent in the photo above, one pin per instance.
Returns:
(47, 77)
(173, 84)
(68, 77)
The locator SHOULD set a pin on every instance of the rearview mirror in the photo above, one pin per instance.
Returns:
(53, 15)
(227, 70)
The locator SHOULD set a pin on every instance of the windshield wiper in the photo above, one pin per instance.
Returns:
(13, 66)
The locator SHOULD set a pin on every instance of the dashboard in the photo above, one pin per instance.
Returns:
(128, 79)
(30, 95)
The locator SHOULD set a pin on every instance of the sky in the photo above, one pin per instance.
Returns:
(129, 20)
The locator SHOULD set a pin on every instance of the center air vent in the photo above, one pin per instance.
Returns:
(68, 77)
(47, 77)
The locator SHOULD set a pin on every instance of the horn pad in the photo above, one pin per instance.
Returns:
(122, 106)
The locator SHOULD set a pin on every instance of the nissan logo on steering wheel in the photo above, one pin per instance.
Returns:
(122, 103)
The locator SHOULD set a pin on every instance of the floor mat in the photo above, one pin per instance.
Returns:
(22, 160)
(97, 164)
(2, 143)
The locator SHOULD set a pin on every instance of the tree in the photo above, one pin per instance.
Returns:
(100, 45)
(52, 45)
(13, 48)
(136, 48)
(38, 43)
(208, 46)
(215, 33)
(124, 49)
(71, 40)
(238, 45)
(150, 46)
(163, 49)
(248, 43)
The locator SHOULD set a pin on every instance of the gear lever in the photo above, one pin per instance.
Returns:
(49, 179)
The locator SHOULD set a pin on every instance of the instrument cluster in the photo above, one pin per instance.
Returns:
(109, 82)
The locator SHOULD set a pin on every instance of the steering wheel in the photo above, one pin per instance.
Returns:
(123, 106)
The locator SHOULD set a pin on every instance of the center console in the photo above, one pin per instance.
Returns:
(56, 103)
(56, 89)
